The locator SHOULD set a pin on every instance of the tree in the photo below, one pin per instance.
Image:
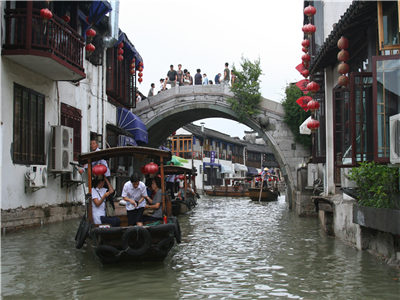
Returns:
(295, 115)
(246, 89)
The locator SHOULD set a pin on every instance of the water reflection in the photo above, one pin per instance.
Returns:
(231, 249)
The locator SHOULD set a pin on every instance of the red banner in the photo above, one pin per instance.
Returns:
(302, 101)
(302, 85)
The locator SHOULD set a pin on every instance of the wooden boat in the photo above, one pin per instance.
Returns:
(239, 189)
(179, 206)
(128, 243)
(267, 194)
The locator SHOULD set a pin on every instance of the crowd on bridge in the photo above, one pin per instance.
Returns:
(183, 78)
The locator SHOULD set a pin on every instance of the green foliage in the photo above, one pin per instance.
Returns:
(246, 89)
(378, 185)
(295, 115)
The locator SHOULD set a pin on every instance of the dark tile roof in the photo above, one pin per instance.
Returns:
(196, 131)
(352, 24)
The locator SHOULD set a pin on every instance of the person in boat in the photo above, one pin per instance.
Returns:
(265, 175)
(94, 146)
(99, 196)
(134, 193)
(182, 193)
(155, 203)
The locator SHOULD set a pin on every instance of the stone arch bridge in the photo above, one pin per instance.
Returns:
(169, 110)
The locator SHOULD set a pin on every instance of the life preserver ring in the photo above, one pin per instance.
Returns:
(82, 233)
(177, 229)
(165, 245)
(107, 254)
(136, 240)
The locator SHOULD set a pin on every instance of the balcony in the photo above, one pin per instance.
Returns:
(50, 48)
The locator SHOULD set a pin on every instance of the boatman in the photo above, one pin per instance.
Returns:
(95, 147)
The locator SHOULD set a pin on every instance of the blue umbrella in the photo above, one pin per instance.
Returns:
(132, 123)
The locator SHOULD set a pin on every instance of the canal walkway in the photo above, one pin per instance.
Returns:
(231, 249)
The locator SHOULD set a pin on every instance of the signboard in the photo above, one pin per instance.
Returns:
(302, 85)
(212, 156)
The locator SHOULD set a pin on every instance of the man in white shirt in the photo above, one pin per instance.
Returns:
(134, 193)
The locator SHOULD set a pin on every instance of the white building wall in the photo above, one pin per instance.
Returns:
(87, 95)
(333, 10)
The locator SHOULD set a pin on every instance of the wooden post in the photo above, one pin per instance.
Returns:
(262, 183)
(164, 206)
(89, 209)
(28, 28)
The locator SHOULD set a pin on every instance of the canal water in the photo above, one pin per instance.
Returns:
(231, 249)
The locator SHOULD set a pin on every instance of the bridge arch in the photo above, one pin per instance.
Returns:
(169, 110)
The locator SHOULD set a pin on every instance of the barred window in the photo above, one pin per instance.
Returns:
(71, 117)
(28, 133)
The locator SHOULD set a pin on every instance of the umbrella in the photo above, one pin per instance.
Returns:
(132, 123)
(180, 159)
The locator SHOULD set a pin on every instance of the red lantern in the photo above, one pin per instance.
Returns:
(46, 14)
(309, 28)
(140, 79)
(132, 71)
(121, 45)
(140, 74)
(90, 32)
(151, 168)
(304, 49)
(343, 68)
(343, 43)
(343, 80)
(120, 58)
(90, 47)
(140, 69)
(305, 73)
(343, 55)
(305, 43)
(120, 51)
(306, 57)
(306, 64)
(181, 177)
(141, 64)
(99, 169)
(310, 11)
(66, 18)
(132, 65)
(313, 124)
(313, 105)
(313, 87)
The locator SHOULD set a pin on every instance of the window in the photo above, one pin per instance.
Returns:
(28, 134)
(388, 25)
(120, 84)
(386, 91)
(71, 117)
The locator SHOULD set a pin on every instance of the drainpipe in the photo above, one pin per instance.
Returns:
(109, 41)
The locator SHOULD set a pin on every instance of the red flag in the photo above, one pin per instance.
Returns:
(302, 85)
(302, 101)
(300, 68)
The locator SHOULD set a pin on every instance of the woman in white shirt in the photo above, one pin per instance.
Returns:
(99, 196)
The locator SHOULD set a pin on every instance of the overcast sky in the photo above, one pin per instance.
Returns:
(206, 34)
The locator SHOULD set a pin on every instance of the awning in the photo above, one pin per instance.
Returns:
(129, 49)
(98, 10)
(124, 140)
(252, 171)
(240, 167)
(211, 165)
(225, 169)
(132, 123)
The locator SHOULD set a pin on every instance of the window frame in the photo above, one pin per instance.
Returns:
(381, 46)
(24, 134)
(72, 117)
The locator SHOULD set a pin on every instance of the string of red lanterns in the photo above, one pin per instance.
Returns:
(120, 57)
(343, 56)
(140, 74)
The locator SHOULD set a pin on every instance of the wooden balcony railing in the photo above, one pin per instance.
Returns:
(27, 33)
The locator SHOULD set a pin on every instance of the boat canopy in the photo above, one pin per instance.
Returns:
(176, 170)
(251, 171)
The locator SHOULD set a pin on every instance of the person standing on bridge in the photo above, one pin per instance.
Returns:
(205, 79)
(217, 78)
(227, 74)
(172, 76)
(198, 80)
(151, 91)
(180, 75)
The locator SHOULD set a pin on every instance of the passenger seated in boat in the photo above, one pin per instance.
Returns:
(155, 204)
(182, 193)
(134, 193)
(99, 196)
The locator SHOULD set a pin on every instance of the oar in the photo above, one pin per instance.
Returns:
(262, 183)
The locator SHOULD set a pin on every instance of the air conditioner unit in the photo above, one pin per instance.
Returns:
(74, 176)
(61, 149)
(394, 125)
(37, 176)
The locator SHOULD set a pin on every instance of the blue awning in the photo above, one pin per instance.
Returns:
(97, 11)
(129, 49)
(209, 164)
(132, 123)
(252, 171)
(124, 140)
